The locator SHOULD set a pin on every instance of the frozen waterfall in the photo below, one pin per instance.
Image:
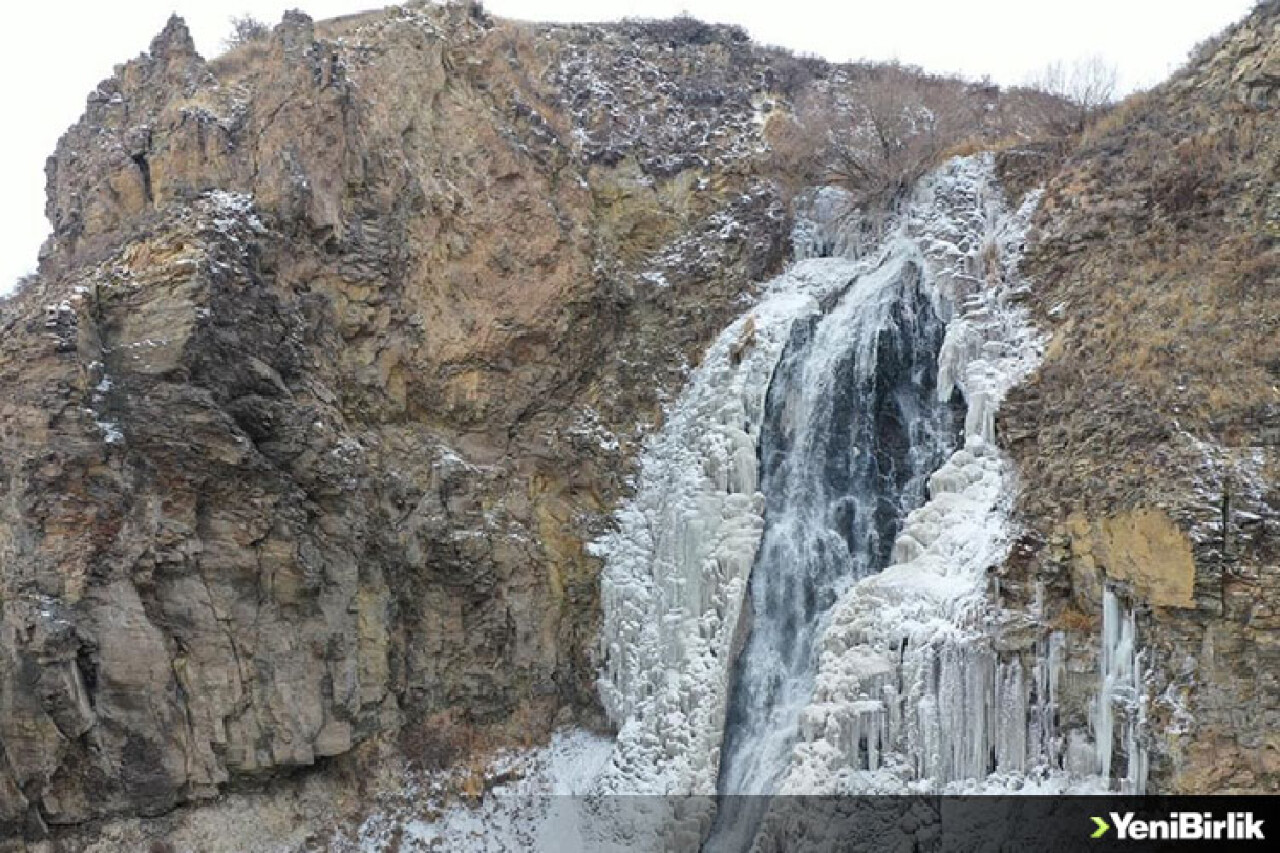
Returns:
(795, 599)
(677, 567)
(853, 427)
(910, 695)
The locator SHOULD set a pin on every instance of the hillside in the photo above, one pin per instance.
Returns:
(347, 343)
(1147, 442)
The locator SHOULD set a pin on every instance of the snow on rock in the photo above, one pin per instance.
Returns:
(229, 212)
(111, 432)
(677, 566)
(910, 695)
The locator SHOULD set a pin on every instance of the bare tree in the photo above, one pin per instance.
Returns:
(889, 133)
(1085, 87)
(244, 29)
(892, 145)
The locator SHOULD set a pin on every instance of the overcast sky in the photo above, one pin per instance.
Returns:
(58, 50)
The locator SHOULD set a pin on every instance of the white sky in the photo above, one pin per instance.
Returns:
(58, 50)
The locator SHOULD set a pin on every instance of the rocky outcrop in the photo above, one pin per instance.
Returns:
(340, 351)
(1148, 442)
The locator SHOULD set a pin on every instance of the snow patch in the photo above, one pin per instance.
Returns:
(538, 808)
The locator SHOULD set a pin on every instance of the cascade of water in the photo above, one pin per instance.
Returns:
(860, 660)
(853, 428)
(676, 569)
(910, 694)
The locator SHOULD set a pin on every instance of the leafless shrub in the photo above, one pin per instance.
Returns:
(1082, 90)
(877, 141)
(245, 29)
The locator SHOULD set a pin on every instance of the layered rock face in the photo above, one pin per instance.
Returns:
(344, 343)
(1149, 442)
(338, 354)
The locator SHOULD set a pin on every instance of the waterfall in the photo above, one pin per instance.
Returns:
(677, 567)
(853, 427)
(910, 695)
(795, 599)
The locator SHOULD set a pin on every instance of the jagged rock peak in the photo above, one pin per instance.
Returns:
(295, 32)
(173, 41)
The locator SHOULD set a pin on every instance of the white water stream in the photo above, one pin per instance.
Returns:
(795, 599)
(813, 461)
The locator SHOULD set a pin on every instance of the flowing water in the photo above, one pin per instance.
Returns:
(853, 428)
(794, 599)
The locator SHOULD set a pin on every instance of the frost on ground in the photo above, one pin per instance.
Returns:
(532, 802)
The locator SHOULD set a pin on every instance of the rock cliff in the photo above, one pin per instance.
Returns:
(344, 344)
(339, 352)
(1148, 442)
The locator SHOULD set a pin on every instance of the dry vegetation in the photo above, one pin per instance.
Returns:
(1159, 241)
(240, 57)
(875, 129)
(1081, 92)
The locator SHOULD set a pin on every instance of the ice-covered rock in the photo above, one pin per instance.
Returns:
(867, 664)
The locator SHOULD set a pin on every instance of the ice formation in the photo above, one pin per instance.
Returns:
(854, 429)
(910, 694)
(795, 599)
(676, 569)
(1120, 696)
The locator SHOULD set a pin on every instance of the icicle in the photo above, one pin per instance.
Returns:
(1120, 692)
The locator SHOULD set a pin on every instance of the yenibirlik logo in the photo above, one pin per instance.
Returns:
(1183, 826)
